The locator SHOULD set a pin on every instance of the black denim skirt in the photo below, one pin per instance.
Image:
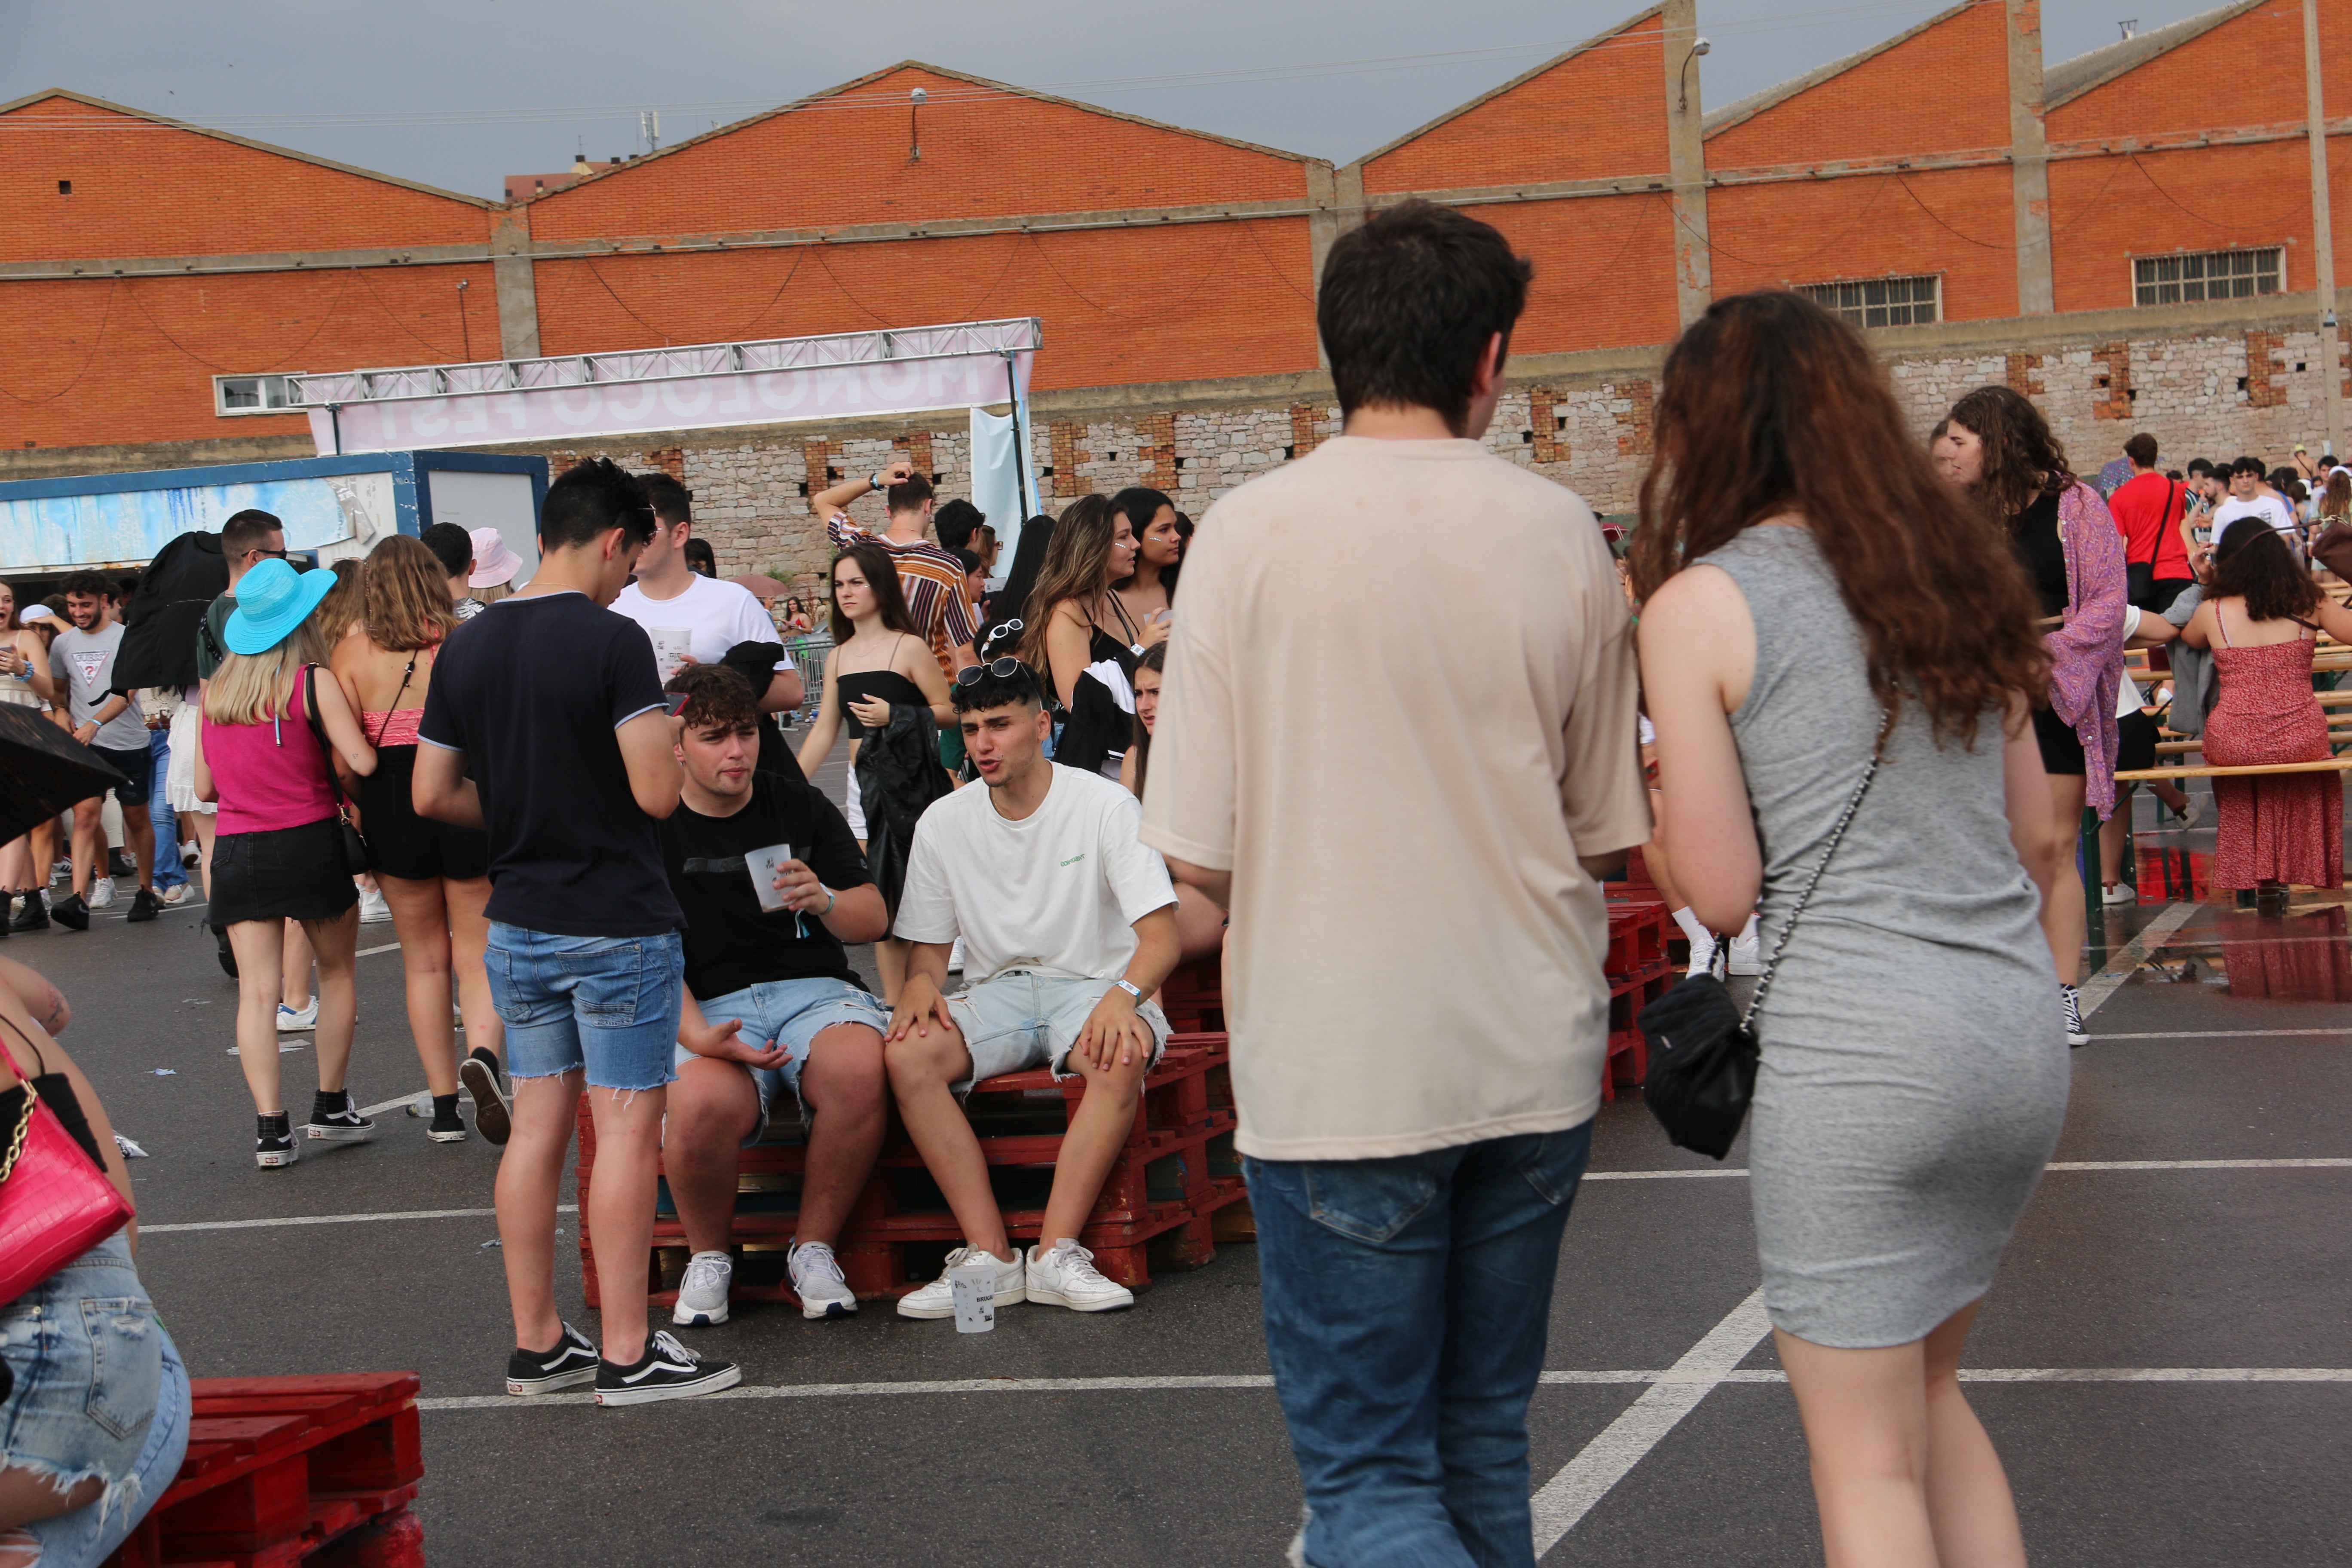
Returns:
(285, 873)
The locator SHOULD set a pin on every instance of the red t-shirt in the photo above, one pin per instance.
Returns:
(2147, 510)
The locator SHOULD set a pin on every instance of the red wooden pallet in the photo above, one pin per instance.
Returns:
(281, 1470)
(1157, 1204)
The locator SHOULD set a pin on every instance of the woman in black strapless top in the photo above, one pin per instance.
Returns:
(878, 660)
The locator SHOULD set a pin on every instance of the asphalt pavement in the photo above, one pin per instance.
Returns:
(2165, 1363)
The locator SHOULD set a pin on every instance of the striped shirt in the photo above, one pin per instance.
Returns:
(932, 581)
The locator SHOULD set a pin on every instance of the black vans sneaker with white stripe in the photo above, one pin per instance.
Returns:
(335, 1118)
(572, 1363)
(669, 1370)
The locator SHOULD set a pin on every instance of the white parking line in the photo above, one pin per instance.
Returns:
(2216, 1034)
(1674, 1376)
(327, 1219)
(368, 952)
(2325, 1164)
(2126, 962)
(1584, 1481)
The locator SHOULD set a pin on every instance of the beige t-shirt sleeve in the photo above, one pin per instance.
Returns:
(1189, 792)
(1606, 804)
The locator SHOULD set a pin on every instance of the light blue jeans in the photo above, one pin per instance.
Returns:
(99, 1392)
(606, 1004)
(1406, 1303)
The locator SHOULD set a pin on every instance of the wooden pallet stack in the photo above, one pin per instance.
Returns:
(285, 1470)
(1157, 1206)
(1639, 971)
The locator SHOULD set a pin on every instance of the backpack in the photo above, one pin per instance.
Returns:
(165, 616)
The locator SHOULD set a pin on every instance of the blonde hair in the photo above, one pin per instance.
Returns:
(404, 597)
(254, 688)
(491, 595)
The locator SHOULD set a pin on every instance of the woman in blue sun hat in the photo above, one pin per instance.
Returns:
(275, 725)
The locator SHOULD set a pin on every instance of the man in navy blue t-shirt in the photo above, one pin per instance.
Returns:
(545, 724)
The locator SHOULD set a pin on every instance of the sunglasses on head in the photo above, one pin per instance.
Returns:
(1003, 669)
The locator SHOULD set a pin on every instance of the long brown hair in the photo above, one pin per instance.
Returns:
(405, 595)
(1773, 407)
(1073, 571)
(1155, 659)
(2022, 459)
(340, 607)
(882, 577)
(2336, 500)
(2254, 564)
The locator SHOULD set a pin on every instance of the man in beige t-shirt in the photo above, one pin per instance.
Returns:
(1406, 785)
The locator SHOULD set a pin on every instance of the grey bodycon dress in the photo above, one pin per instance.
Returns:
(1914, 1066)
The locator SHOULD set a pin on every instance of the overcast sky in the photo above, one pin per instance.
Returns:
(460, 93)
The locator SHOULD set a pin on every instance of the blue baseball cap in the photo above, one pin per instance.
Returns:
(271, 601)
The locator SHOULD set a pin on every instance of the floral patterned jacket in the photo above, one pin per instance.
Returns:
(2087, 650)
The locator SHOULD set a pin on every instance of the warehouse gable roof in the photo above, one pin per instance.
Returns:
(1525, 77)
(983, 85)
(1744, 110)
(2069, 79)
(14, 106)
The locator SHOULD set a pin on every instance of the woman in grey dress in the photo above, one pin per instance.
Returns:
(1813, 593)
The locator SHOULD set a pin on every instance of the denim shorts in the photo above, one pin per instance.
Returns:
(99, 1390)
(792, 1013)
(607, 1003)
(1016, 1020)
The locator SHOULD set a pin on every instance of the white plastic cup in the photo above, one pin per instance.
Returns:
(974, 1285)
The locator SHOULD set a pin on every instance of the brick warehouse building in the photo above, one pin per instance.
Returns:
(2126, 236)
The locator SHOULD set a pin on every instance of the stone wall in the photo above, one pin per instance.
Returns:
(2211, 395)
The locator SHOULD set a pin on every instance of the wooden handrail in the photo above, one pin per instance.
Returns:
(2331, 765)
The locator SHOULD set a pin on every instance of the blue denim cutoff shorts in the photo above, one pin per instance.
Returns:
(99, 1390)
(792, 1013)
(608, 1004)
(1016, 1020)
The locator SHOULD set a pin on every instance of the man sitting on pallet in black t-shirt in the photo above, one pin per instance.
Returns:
(773, 885)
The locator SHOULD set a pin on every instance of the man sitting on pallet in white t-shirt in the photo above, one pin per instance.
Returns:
(1068, 925)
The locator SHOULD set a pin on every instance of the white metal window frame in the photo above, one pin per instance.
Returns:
(271, 394)
(2188, 276)
(1870, 302)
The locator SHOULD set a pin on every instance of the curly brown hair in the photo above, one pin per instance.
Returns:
(1771, 406)
(405, 595)
(2022, 460)
(717, 697)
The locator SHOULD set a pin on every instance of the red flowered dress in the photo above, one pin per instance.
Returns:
(2285, 827)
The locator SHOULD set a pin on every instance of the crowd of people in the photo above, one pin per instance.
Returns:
(606, 864)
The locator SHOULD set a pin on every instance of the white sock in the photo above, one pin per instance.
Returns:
(1689, 923)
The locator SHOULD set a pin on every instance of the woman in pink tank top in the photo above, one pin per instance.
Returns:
(277, 852)
(436, 876)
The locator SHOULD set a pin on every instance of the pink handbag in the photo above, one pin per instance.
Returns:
(55, 1204)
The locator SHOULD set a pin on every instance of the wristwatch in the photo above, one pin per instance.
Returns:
(1130, 987)
(875, 480)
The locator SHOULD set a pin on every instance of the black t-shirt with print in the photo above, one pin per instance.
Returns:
(531, 691)
(730, 940)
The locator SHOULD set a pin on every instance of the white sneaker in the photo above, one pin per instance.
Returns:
(816, 1279)
(937, 1300)
(179, 893)
(374, 908)
(1747, 955)
(2188, 818)
(101, 892)
(1066, 1277)
(1702, 957)
(702, 1294)
(2121, 893)
(289, 1022)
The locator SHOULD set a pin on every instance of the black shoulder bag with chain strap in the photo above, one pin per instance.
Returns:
(1703, 1050)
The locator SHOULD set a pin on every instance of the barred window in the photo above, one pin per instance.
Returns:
(1881, 301)
(2206, 275)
